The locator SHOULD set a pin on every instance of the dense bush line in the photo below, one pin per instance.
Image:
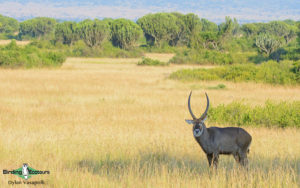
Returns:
(164, 29)
(194, 40)
(282, 114)
(285, 72)
(12, 56)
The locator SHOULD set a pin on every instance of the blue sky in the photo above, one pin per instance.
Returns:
(214, 10)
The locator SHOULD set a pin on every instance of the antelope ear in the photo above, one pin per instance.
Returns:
(189, 121)
(204, 119)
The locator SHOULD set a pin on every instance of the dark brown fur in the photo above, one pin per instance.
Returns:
(216, 141)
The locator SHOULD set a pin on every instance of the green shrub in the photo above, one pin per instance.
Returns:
(12, 56)
(246, 57)
(242, 44)
(79, 49)
(289, 52)
(151, 62)
(296, 70)
(5, 36)
(219, 86)
(268, 72)
(43, 44)
(202, 57)
(213, 57)
(277, 73)
(282, 114)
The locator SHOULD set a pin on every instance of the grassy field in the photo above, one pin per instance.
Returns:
(121, 125)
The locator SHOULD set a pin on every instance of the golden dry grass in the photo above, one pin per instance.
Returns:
(122, 125)
(20, 43)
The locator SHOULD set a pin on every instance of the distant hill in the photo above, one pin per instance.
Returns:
(214, 10)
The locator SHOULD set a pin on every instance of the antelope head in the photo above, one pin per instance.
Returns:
(198, 123)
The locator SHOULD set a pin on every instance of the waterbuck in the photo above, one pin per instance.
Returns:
(215, 140)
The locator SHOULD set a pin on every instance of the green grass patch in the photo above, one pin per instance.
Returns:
(285, 72)
(199, 86)
(152, 62)
(13, 56)
(219, 86)
(282, 114)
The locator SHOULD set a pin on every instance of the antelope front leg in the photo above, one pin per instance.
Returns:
(215, 160)
(209, 158)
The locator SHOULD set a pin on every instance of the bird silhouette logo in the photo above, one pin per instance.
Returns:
(25, 171)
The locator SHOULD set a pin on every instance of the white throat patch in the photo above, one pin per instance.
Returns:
(198, 132)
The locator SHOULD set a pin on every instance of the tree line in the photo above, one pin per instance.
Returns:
(157, 30)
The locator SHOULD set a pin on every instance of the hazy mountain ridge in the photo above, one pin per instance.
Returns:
(215, 10)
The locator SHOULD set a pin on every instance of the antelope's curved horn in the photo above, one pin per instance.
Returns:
(189, 105)
(207, 107)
